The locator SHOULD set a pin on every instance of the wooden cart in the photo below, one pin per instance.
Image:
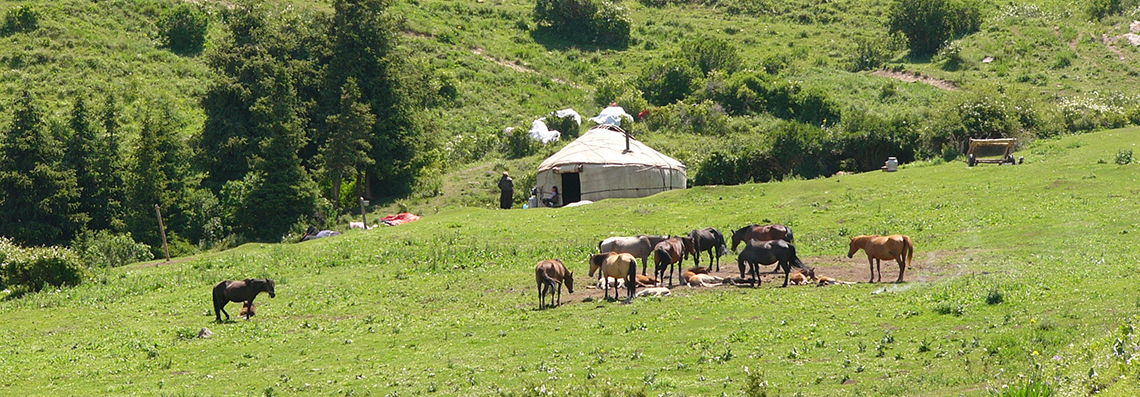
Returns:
(997, 151)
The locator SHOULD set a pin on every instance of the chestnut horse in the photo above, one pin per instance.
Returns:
(239, 291)
(761, 233)
(668, 252)
(621, 266)
(896, 246)
(708, 239)
(550, 275)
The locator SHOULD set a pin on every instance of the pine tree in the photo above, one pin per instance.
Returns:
(79, 154)
(36, 196)
(285, 194)
(108, 163)
(346, 150)
(157, 175)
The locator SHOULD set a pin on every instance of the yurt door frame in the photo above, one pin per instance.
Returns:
(571, 187)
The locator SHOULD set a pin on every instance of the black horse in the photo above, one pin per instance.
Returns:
(761, 233)
(239, 291)
(708, 239)
(757, 253)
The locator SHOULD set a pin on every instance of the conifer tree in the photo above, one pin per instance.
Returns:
(37, 197)
(346, 150)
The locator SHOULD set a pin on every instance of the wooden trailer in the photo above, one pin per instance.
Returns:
(995, 151)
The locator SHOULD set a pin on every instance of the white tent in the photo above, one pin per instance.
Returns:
(605, 163)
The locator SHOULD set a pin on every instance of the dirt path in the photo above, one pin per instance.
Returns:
(519, 68)
(911, 77)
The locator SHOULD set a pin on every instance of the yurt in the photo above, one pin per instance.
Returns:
(605, 162)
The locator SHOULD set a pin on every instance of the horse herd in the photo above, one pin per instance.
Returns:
(763, 245)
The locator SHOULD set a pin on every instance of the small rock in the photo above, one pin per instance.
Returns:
(987, 59)
(1134, 27)
(1133, 38)
(205, 333)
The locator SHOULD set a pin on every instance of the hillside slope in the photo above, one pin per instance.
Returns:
(1021, 270)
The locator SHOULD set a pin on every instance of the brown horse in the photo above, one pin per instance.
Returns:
(239, 291)
(550, 275)
(621, 266)
(761, 233)
(248, 310)
(896, 246)
(669, 252)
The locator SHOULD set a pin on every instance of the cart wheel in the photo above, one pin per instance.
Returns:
(970, 160)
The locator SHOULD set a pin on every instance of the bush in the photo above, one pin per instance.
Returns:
(1099, 9)
(709, 53)
(106, 249)
(588, 21)
(929, 24)
(870, 53)
(803, 150)
(35, 268)
(21, 19)
(567, 126)
(667, 81)
(517, 143)
(1124, 157)
(706, 118)
(869, 138)
(183, 29)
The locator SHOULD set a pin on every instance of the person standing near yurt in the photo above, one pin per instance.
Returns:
(507, 191)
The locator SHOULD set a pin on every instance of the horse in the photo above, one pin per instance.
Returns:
(761, 233)
(617, 265)
(248, 310)
(550, 275)
(640, 246)
(708, 239)
(878, 247)
(757, 253)
(239, 291)
(668, 252)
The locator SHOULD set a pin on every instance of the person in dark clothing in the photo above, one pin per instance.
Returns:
(507, 191)
(553, 199)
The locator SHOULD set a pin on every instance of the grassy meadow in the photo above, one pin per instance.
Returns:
(1022, 274)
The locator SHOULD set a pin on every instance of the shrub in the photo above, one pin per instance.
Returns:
(868, 139)
(35, 268)
(106, 249)
(517, 143)
(706, 118)
(567, 126)
(183, 29)
(870, 53)
(929, 24)
(590, 21)
(667, 81)
(1099, 9)
(995, 297)
(709, 53)
(1124, 157)
(21, 19)
(804, 150)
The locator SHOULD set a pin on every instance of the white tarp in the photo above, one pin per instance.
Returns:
(604, 169)
(611, 115)
(539, 132)
(569, 112)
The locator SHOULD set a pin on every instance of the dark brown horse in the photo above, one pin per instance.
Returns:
(761, 233)
(708, 239)
(763, 253)
(550, 274)
(239, 291)
(671, 251)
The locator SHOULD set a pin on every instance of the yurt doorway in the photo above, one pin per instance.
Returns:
(571, 188)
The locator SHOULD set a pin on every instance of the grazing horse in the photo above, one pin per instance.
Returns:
(708, 239)
(761, 233)
(757, 253)
(668, 252)
(622, 266)
(896, 246)
(550, 275)
(239, 291)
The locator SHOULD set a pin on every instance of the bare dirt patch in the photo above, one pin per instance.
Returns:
(911, 77)
(930, 266)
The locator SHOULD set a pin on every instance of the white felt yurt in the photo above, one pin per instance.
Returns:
(606, 163)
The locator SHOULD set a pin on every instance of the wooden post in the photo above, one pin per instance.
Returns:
(364, 212)
(162, 228)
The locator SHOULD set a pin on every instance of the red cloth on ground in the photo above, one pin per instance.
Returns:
(399, 219)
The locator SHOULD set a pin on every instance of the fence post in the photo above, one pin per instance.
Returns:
(162, 228)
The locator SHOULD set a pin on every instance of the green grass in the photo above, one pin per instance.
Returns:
(446, 305)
